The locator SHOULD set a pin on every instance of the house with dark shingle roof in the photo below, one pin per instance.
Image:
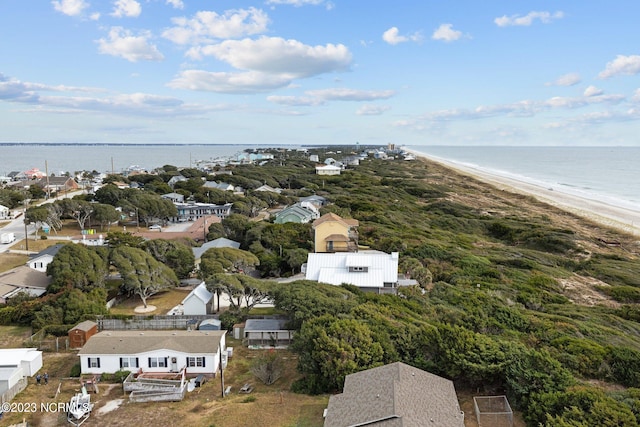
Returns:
(42, 259)
(395, 395)
(153, 351)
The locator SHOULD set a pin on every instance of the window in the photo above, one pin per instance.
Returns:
(129, 362)
(157, 362)
(195, 362)
(358, 269)
(93, 362)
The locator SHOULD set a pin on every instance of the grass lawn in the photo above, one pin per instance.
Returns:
(272, 405)
(163, 301)
(9, 261)
(14, 336)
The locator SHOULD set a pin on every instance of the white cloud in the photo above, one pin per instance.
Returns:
(296, 3)
(628, 65)
(636, 96)
(124, 44)
(220, 82)
(566, 80)
(592, 91)
(205, 26)
(321, 96)
(445, 32)
(266, 63)
(393, 37)
(275, 55)
(128, 8)
(177, 4)
(70, 7)
(526, 20)
(524, 108)
(342, 94)
(142, 104)
(295, 101)
(372, 110)
(94, 16)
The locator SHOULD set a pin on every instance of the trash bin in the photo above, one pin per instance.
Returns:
(200, 379)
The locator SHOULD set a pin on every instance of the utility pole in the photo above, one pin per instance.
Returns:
(204, 229)
(221, 372)
(26, 236)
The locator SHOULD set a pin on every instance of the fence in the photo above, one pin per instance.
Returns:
(156, 322)
(40, 341)
(8, 395)
(493, 411)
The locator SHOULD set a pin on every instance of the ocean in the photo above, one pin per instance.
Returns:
(107, 157)
(607, 174)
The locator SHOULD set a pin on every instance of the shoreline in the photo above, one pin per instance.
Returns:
(617, 217)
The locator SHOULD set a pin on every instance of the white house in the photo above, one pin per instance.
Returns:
(370, 270)
(4, 212)
(42, 259)
(17, 364)
(198, 301)
(327, 170)
(265, 333)
(154, 351)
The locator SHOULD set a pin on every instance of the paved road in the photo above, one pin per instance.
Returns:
(17, 227)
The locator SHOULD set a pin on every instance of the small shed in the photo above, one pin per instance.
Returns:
(80, 334)
(263, 333)
(210, 325)
(198, 301)
(238, 331)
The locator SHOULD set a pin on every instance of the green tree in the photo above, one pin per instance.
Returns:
(141, 274)
(105, 215)
(109, 194)
(37, 215)
(117, 238)
(36, 191)
(329, 349)
(235, 227)
(174, 254)
(79, 210)
(77, 266)
(226, 260)
(295, 258)
(78, 306)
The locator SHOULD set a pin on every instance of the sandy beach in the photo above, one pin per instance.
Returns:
(623, 219)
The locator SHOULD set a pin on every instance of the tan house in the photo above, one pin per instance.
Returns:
(335, 234)
(395, 395)
(327, 170)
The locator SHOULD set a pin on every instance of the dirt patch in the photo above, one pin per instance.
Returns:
(143, 309)
(583, 290)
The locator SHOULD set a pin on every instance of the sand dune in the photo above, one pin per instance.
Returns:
(624, 219)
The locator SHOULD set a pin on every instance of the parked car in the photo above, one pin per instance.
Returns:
(155, 227)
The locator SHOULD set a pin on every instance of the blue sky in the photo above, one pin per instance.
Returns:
(320, 72)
